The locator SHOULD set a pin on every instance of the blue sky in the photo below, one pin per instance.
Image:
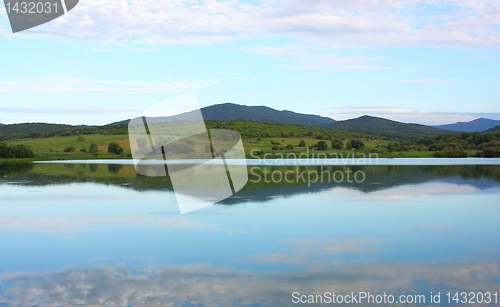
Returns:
(431, 62)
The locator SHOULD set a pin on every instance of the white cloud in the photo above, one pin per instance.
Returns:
(208, 285)
(305, 248)
(317, 27)
(70, 224)
(80, 85)
(59, 110)
(317, 56)
(352, 23)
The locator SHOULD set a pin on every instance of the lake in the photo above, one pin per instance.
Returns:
(99, 234)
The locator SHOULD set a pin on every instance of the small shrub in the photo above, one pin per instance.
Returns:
(69, 149)
(115, 148)
(322, 145)
(93, 149)
(337, 144)
(356, 144)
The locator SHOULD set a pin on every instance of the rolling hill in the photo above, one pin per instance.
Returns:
(381, 125)
(494, 129)
(232, 111)
(373, 125)
(31, 128)
(480, 124)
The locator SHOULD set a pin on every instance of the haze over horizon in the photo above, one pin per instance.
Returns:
(423, 62)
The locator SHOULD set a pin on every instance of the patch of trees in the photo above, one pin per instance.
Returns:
(355, 144)
(490, 150)
(337, 144)
(115, 148)
(15, 151)
(397, 147)
(321, 145)
(450, 153)
(184, 146)
(93, 149)
(452, 145)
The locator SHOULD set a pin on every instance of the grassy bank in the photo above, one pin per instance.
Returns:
(52, 148)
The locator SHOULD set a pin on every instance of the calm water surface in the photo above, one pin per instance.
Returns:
(101, 235)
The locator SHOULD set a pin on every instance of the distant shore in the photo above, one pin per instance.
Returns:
(299, 162)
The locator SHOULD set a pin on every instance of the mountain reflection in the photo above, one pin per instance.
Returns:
(378, 178)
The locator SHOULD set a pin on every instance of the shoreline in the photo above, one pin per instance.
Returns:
(296, 162)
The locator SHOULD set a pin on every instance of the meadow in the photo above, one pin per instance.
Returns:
(52, 148)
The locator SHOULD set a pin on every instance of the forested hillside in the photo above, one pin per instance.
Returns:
(480, 124)
(376, 125)
(27, 128)
(494, 129)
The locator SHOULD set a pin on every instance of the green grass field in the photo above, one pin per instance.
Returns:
(52, 148)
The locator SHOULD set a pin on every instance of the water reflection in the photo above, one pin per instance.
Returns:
(103, 235)
(257, 189)
(206, 285)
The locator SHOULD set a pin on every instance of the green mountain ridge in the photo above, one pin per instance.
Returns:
(31, 128)
(479, 124)
(230, 112)
(494, 129)
(382, 125)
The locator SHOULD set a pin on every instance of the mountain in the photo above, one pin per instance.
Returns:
(381, 125)
(231, 111)
(2, 125)
(494, 129)
(30, 128)
(480, 124)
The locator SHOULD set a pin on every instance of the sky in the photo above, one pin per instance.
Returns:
(429, 62)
